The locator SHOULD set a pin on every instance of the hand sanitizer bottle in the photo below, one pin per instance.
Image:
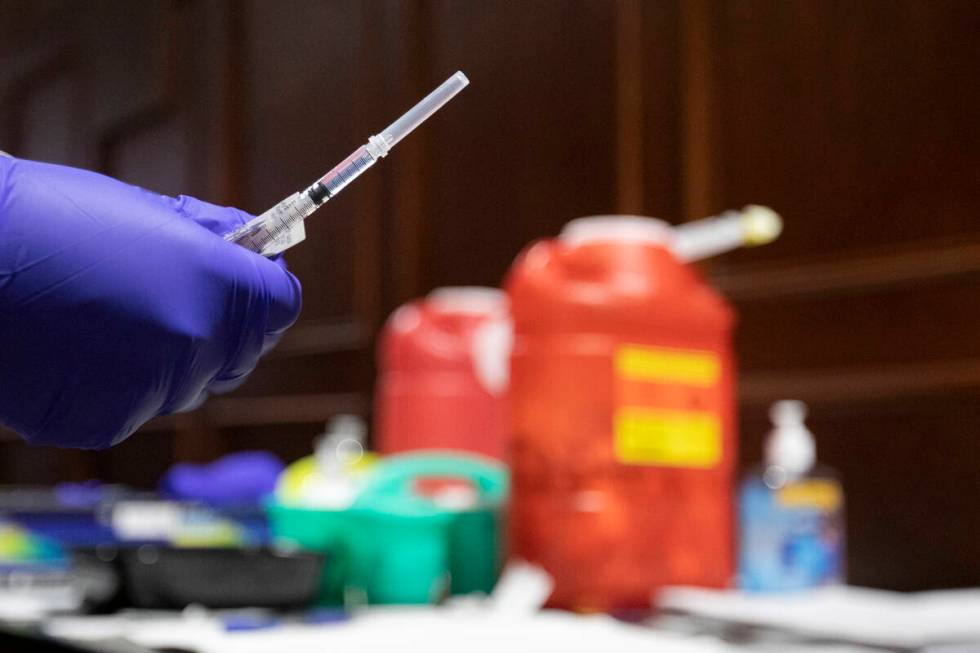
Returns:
(790, 512)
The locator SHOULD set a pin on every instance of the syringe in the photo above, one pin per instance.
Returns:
(276, 229)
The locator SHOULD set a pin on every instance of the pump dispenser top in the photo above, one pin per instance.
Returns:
(790, 444)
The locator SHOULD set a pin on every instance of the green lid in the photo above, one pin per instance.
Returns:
(393, 488)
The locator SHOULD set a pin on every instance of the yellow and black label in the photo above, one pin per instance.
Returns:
(668, 407)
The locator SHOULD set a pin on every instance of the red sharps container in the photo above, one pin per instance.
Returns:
(443, 373)
(623, 416)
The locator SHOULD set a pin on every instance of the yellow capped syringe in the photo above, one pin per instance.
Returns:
(753, 225)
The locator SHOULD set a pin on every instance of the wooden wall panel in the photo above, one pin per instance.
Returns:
(853, 120)
(307, 106)
(526, 147)
(155, 158)
(130, 49)
(664, 112)
(304, 116)
(920, 322)
(47, 121)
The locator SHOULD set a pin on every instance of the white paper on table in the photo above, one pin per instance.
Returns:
(396, 630)
(874, 617)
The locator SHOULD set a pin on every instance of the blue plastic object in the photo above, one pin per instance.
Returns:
(240, 478)
(246, 622)
(320, 616)
(84, 495)
(792, 544)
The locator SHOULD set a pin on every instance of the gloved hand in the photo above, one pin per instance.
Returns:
(118, 304)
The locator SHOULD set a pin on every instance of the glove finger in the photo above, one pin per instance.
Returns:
(242, 367)
(274, 305)
(219, 220)
(283, 294)
(191, 404)
(223, 386)
(274, 295)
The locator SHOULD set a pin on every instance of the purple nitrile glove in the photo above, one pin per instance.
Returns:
(118, 304)
(236, 479)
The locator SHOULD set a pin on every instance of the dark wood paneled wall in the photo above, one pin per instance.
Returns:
(856, 120)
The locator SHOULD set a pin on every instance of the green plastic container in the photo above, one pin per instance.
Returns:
(407, 555)
(476, 550)
(335, 533)
(471, 537)
(396, 545)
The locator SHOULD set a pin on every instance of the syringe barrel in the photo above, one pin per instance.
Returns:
(261, 233)
(429, 105)
(347, 170)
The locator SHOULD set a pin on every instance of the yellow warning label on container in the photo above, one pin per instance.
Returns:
(671, 438)
(818, 494)
(662, 365)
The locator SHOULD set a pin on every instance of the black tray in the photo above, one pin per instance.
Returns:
(159, 577)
